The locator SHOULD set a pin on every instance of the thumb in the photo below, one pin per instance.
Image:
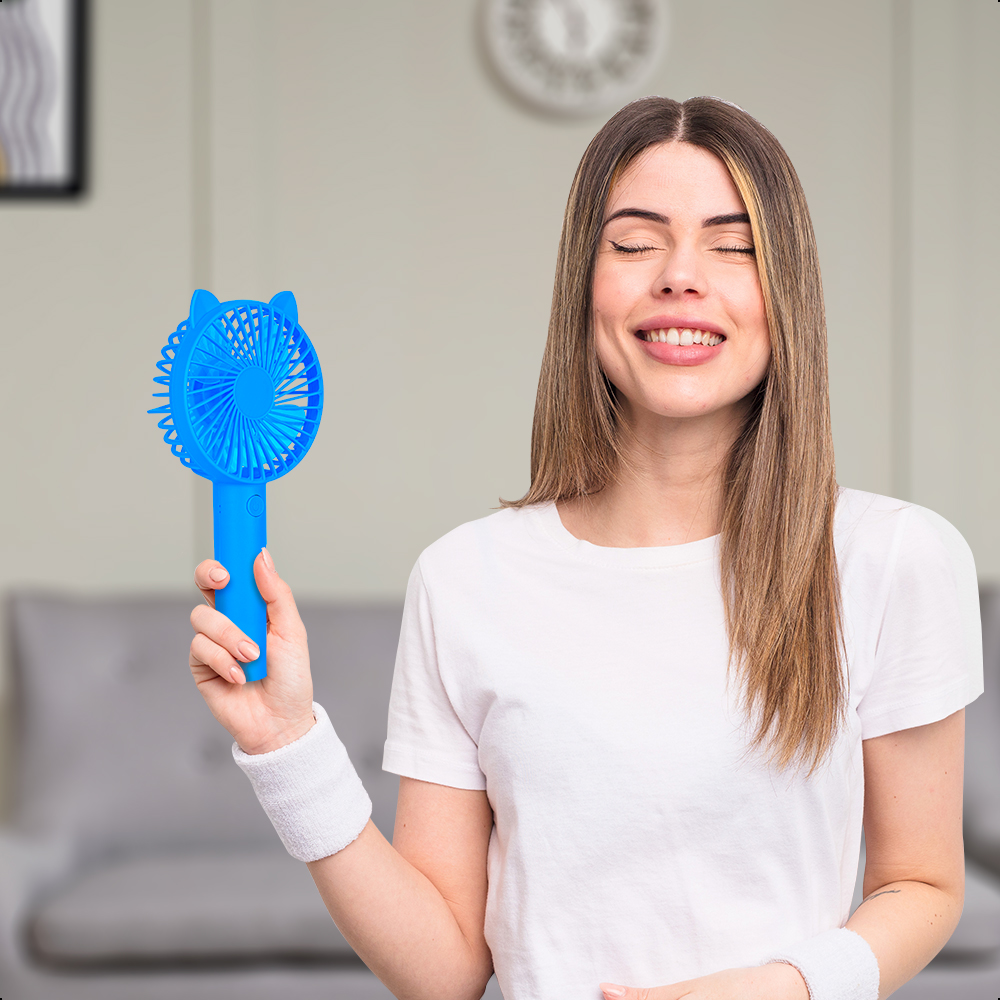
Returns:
(282, 614)
(612, 991)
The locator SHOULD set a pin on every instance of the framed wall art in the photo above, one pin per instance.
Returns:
(43, 78)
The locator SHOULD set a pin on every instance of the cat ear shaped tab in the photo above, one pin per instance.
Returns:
(284, 302)
(202, 303)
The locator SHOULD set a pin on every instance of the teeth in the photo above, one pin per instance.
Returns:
(682, 338)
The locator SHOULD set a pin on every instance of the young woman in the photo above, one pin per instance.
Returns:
(641, 714)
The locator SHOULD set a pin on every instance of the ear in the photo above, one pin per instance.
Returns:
(284, 302)
(202, 302)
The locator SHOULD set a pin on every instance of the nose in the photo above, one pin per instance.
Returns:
(681, 273)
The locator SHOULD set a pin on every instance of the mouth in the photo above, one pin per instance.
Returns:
(681, 337)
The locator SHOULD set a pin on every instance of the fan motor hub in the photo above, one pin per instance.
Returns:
(253, 392)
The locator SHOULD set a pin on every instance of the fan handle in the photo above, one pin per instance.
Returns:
(240, 523)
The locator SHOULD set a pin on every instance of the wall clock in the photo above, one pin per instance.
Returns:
(574, 57)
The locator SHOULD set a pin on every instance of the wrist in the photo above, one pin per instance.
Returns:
(837, 964)
(785, 981)
(280, 738)
(310, 791)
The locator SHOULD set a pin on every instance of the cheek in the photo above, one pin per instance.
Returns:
(747, 300)
(758, 357)
(606, 296)
(617, 292)
(611, 301)
(748, 307)
(609, 351)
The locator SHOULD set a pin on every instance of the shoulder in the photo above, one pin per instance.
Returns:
(911, 612)
(894, 529)
(884, 545)
(485, 541)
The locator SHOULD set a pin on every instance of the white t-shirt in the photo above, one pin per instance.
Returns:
(584, 688)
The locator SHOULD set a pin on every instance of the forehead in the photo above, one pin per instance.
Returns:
(676, 178)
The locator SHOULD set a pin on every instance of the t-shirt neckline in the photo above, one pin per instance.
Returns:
(650, 556)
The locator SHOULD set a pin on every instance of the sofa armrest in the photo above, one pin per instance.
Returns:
(27, 865)
(982, 837)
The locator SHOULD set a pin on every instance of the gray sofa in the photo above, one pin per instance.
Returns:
(138, 864)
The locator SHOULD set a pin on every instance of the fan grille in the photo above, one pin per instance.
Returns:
(256, 437)
(166, 423)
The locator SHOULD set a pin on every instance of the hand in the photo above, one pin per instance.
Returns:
(269, 713)
(775, 981)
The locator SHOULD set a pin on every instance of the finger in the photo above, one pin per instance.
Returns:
(217, 627)
(210, 576)
(612, 991)
(210, 654)
(282, 614)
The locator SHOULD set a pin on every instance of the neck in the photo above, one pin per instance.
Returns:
(669, 489)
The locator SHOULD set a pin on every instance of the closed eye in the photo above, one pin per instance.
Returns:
(621, 248)
(747, 250)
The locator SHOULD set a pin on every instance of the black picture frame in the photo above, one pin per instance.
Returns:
(71, 181)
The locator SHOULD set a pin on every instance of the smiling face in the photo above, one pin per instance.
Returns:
(679, 320)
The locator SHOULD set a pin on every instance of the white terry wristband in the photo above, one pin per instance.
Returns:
(836, 965)
(310, 791)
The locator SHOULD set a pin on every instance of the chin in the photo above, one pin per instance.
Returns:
(671, 407)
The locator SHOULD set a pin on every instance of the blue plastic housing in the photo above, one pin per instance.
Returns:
(240, 524)
(245, 395)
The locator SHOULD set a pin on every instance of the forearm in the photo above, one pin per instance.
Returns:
(420, 944)
(906, 924)
(399, 923)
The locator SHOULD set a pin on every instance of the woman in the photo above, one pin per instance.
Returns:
(640, 715)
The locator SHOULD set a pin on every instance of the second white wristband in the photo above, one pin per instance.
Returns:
(310, 791)
(836, 965)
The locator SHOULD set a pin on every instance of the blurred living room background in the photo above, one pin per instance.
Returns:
(367, 157)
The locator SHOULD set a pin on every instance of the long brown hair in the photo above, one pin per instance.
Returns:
(778, 567)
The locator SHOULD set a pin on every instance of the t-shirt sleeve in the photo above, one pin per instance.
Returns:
(928, 660)
(426, 738)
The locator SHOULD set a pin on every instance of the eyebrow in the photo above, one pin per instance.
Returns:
(726, 220)
(643, 213)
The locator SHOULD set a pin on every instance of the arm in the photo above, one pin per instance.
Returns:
(914, 882)
(914, 873)
(413, 910)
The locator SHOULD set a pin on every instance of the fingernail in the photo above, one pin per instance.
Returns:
(267, 560)
(218, 575)
(249, 650)
(610, 990)
(237, 675)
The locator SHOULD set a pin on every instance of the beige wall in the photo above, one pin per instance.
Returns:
(87, 288)
(949, 434)
(416, 211)
(360, 155)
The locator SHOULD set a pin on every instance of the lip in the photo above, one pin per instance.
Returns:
(674, 354)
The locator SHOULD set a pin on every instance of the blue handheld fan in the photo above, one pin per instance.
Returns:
(245, 395)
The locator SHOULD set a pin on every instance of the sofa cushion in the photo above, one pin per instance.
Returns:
(202, 907)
